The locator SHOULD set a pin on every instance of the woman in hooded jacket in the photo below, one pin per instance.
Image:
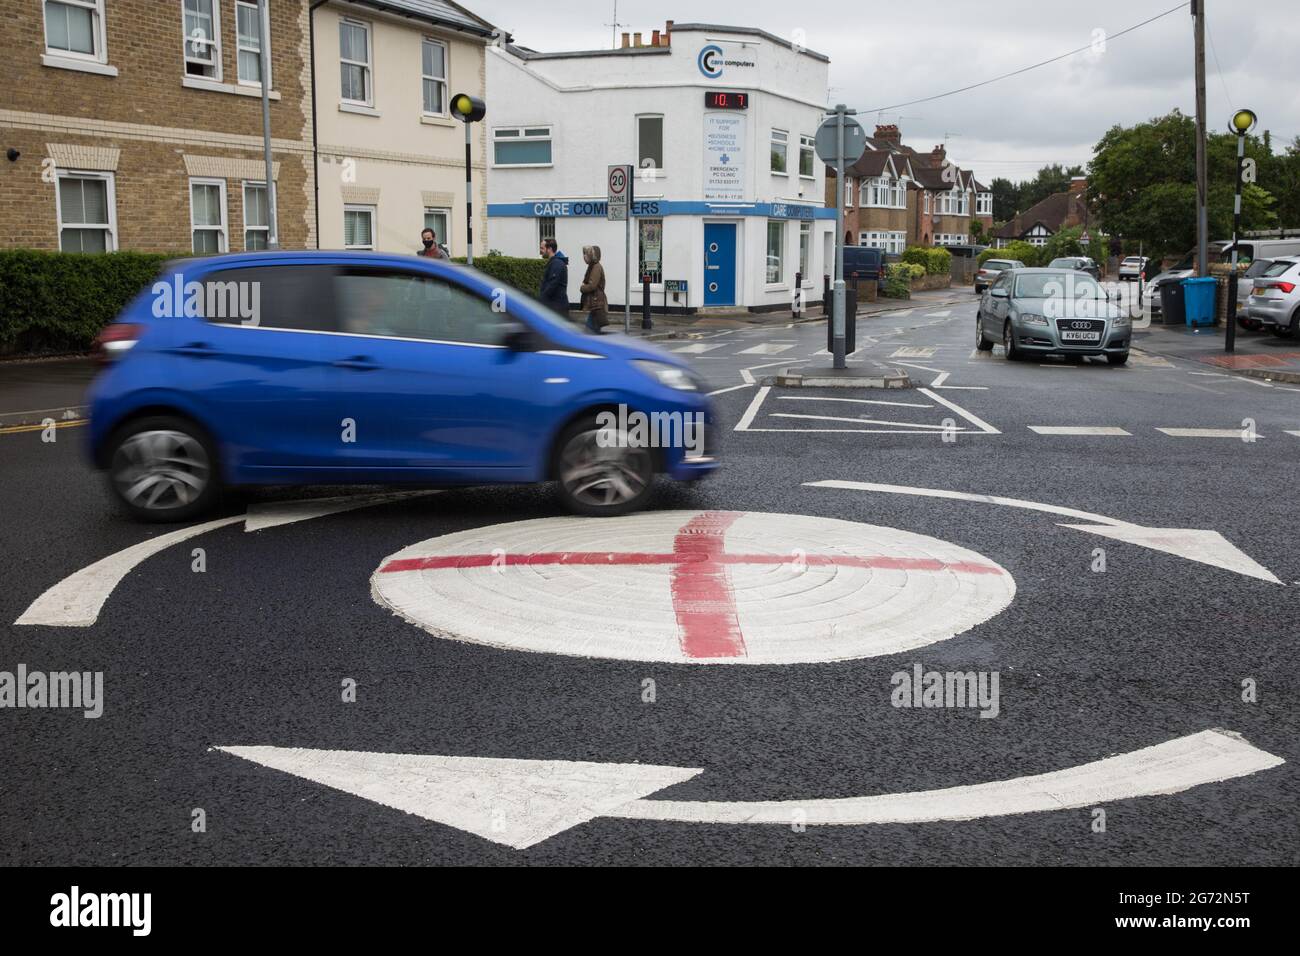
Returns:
(593, 290)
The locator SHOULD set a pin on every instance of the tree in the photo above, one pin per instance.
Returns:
(1050, 179)
(1006, 197)
(1280, 175)
(1142, 184)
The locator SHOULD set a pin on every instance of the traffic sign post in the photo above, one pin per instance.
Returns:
(620, 180)
(840, 142)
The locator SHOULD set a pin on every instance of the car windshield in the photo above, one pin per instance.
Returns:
(997, 265)
(1057, 286)
(1279, 267)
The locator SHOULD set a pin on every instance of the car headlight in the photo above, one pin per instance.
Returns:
(1119, 321)
(1029, 318)
(669, 375)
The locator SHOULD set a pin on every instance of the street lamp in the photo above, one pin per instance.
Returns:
(1243, 121)
(468, 109)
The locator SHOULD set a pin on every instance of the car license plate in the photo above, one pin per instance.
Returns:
(1071, 336)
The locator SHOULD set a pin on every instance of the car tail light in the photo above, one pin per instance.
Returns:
(116, 339)
(1287, 287)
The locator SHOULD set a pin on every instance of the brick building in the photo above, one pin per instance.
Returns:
(1047, 217)
(895, 197)
(137, 124)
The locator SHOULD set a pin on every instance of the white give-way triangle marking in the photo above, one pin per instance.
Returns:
(522, 802)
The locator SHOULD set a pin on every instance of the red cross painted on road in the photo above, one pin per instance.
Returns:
(703, 600)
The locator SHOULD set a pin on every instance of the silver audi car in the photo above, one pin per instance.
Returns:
(1051, 312)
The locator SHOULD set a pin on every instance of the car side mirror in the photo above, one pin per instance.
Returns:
(518, 337)
(998, 293)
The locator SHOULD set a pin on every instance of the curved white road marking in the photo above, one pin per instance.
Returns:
(77, 600)
(1203, 547)
(521, 802)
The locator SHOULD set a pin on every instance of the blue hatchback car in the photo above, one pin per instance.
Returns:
(354, 368)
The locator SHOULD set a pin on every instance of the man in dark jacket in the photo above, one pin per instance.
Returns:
(555, 281)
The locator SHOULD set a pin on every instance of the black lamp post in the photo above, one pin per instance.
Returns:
(468, 109)
(1243, 121)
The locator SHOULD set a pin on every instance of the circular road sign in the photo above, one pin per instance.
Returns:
(699, 587)
(827, 141)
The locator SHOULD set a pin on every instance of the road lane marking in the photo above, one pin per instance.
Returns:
(864, 421)
(766, 348)
(17, 429)
(698, 348)
(1079, 430)
(855, 401)
(975, 420)
(1205, 433)
(731, 388)
(913, 351)
(747, 419)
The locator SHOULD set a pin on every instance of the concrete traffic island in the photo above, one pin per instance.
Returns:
(859, 374)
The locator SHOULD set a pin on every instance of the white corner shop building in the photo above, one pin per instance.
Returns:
(719, 121)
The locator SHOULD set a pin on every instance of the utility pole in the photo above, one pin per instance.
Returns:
(264, 27)
(1202, 213)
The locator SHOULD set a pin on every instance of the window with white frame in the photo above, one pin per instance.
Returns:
(86, 214)
(75, 28)
(257, 216)
(202, 40)
(780, 142)
(883, 192)
(805, 248)
(807, 157)
(521, 146)
(775, 251)
(439, 220)
(545, 228)
(354, 63)
(984, 204)
(927, 202)
(951, 239)
(434, 57)
(208, 215)
(358, 227)
(848, 190)
(248, 40)
(887, 241)
(650, 142)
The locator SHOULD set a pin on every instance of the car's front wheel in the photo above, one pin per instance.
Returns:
(601, 472)
(163, 468)
(982, 342)
(1009, 342)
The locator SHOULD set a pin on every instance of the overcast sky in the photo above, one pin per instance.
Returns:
(888, 53)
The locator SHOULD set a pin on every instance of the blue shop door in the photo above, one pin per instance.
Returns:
(719, 263)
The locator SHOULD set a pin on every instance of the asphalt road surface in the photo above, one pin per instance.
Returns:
(762, 681)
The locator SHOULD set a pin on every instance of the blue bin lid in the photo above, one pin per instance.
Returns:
(1200, 281)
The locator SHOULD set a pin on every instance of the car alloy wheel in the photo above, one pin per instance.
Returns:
(982, 342)
(161, 470)
(601, 472)
(1009, 341)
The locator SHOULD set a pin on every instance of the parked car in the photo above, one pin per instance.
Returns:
(1077, 263)
(1275, 298)
(360, 368)
(866, 263)
(1246, 285)
(990, 271)
(1051, 312)
(1133, 268)
(1248, 250)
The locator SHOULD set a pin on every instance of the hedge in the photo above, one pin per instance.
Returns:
(524, 274)
(1019, 250)
(935, 261)
(58, 301)
(898, 279)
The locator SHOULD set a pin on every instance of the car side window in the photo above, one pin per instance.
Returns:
(412, 306)
(293, 297)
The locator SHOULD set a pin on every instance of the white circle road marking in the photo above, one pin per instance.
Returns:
(694, 587)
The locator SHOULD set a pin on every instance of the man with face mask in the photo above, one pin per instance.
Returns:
(431, 248)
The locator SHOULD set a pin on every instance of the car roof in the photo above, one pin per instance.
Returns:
(1040, 270)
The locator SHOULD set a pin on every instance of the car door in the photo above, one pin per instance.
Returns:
(255, 366)
(424, 382)
(998, 304)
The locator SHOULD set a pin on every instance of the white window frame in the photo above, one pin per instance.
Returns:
(223, 231)
(270, 209)
(848, 192)
(97, 32)
(110, 199)
(805, 250)
(780, 278)
(443, 238)
(984, 204)
(927, 202)
(445, 79)
(807, 144)
(368, 65)
(214, 44)
(369, 209)
(779, 137)
(520, 138)
(240, 49)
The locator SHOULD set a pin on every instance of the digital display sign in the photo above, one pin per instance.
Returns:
(722, 100)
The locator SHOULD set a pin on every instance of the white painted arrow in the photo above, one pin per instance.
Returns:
(1203, 547)
(522, 802)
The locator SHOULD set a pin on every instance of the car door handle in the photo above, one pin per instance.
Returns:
(195, 348)
(361, 363)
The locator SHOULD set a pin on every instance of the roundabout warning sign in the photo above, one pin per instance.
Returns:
(707, 587)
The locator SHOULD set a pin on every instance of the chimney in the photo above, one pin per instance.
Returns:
(938, 156)
(1079, 184)
(654, 38)
(626, 39)
(636, 38)
(668, 33)
(890, 134)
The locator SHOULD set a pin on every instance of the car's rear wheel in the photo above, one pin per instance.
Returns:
(163, 468)
(600, 472)
(1009, 342)
(982, 342)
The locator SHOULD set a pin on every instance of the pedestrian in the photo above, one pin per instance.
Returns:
(594, 302)
(431, 250)
(555, 280)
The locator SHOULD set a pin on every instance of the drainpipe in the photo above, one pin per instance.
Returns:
(315, 127)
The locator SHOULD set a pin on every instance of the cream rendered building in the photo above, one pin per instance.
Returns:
(390, 157)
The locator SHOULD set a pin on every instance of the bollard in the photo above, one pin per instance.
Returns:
(645, 303)
(796, 310)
